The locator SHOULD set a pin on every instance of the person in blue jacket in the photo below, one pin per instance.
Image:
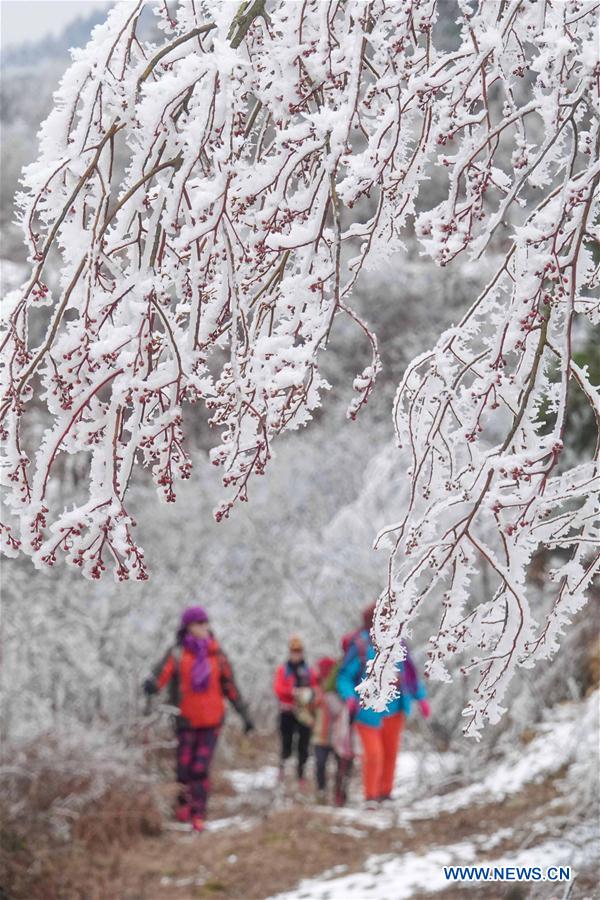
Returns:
(379, 732)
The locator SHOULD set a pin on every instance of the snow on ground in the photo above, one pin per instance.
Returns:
(567, 739)
(243, 781)
(189, 881)
(557, 744)
(398, 877)
(416, 769)
(570, 734)
(240, 823)
(554, 747)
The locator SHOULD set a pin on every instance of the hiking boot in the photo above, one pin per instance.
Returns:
(303, 786)
(371, 805)
(197, 823)
(321, 798)
(183, 813)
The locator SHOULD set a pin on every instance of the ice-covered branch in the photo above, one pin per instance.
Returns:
(274, 151)
(482, 417)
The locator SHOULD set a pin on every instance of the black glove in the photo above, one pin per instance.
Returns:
(150, 687)
(248, 726)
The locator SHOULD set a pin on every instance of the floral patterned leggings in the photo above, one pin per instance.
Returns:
(195, 749)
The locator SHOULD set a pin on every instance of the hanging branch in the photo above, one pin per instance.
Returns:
(275, 150)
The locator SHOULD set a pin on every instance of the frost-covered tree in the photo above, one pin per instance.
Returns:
(275, 151)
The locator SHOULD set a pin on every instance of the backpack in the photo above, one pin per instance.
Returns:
(330, 683)
(355, 644)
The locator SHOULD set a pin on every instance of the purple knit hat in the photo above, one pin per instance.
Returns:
(193, 614)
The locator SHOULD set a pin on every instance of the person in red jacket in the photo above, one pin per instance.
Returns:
(200, 678)
(294, 686)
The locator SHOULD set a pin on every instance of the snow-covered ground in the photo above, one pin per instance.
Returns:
(244, 781)
(570, 737)
(398, 877)
(529, 806)
(568, 740)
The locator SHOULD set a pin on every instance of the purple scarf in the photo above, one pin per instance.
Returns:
(409, 680)
(200, 674)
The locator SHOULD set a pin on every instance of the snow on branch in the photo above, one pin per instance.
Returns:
(274, 150)
(487, 485)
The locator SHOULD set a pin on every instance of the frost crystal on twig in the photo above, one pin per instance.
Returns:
(213, 269)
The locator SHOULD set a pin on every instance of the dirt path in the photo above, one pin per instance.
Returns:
(529, 802)
(262, 842)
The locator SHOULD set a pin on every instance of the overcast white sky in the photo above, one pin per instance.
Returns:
(31, 20)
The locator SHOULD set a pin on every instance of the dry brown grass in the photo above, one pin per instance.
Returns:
(36, 863)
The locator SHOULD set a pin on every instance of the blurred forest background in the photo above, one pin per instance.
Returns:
(297, 559)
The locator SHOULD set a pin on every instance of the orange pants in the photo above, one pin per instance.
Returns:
(380, 747)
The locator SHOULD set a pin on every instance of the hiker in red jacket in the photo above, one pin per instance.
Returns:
(294, 685)
(199, 677)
